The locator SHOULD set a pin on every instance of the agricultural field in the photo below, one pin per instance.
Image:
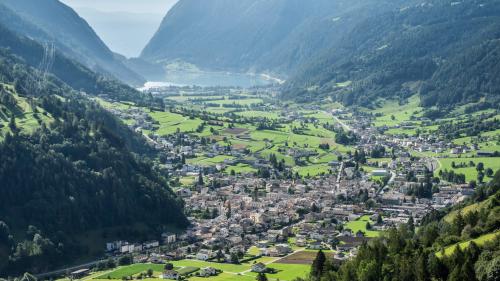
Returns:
(170, 123)
(392, 113)
(360, 224)
(487, 141)
(132, 270)
(237, 120)
(286, 272)
(470, 172)
(241, 169)
(302, 257)
(206, 161)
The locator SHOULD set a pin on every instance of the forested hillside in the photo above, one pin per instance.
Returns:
(255, 35)
(53, 22)
(72, 172)
(69, 71)
(447, 51)
(458, 244)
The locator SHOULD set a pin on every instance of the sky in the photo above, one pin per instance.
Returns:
(132, 6)
(126, 26)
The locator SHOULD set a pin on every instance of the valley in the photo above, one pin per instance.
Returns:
(231, 153)
(283, 140)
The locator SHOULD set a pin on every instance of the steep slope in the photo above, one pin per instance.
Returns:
(255, 35)
(68, 172)
(52, 21)
(443, 46)
(71, 72)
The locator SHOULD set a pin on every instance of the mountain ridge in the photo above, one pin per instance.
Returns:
(53, 21)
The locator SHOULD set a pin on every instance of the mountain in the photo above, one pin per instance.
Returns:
(53, 22)
(72, 176)
(446, 51)
(69, 71)
(255, 35)
(124, 32)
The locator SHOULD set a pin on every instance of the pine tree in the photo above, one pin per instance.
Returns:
(200, 179)
(318, 265)
(411, 224)
(261, 277)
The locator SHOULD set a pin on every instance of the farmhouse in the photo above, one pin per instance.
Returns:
(208, 271)
(170, 274)
(259, 267)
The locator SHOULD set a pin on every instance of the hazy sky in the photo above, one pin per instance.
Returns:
(131, 6)
(126, 26)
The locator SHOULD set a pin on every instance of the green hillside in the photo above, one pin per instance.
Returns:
(69, 171)
(438, 50)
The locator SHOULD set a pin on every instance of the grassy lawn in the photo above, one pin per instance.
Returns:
(254, 251)
(224, 277)
(204, 161)
(312, 170)
(360, 224)
(131, 270)
(27, 119)
(234, 268)
(473, 207)
(187, 270)
(170, 122)
(470, 172)
(481, 240)
(401, 113)
(261, 114)
(287, 272)
(241, 169)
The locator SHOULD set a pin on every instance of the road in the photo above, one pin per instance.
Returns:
(67, 269)
(342, 123)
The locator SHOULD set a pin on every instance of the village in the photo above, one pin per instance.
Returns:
(269, 209)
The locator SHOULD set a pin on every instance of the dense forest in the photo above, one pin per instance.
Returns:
(81, 171)
(417, 253)
(274, 36)
(439, 49)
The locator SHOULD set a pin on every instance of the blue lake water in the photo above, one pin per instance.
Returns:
(210, 79)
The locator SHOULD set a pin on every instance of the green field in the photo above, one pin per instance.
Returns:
(131, 270)
(170, 122)
(473, 207)
(241, 169)
(481, 240)
(204, 161)
(258, 114)
(470, 172)
(27, 118)
(286, 272)
(401, 113)
(360, 224)
(287, 139)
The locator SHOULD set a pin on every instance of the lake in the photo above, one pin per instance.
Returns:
(209, 79)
